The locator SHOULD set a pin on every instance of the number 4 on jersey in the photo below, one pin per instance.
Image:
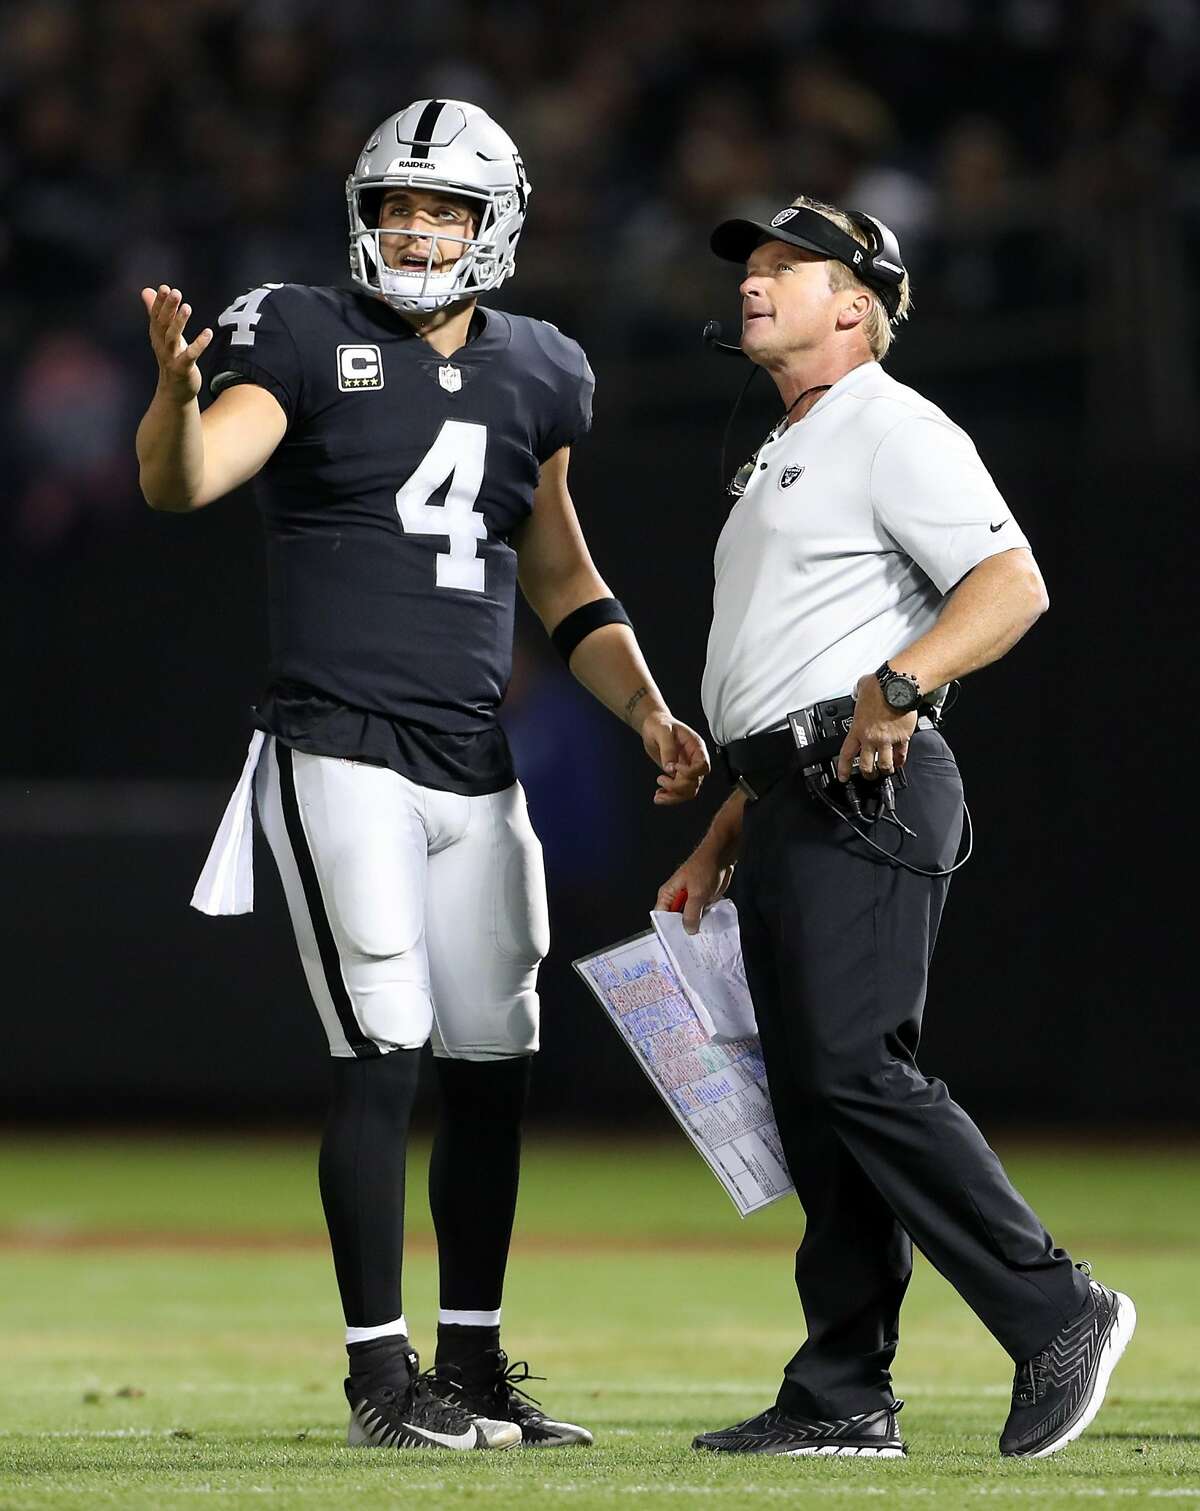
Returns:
(244, 314)
(458, 454)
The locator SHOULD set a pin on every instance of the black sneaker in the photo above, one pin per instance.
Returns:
(411, 1413)
(1057, 1393)
(490, 1388)
(872, 1435)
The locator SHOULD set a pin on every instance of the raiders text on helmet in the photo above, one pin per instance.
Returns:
(445, 145)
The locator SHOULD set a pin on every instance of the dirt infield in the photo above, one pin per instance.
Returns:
(182, 1241)
(33, 1240)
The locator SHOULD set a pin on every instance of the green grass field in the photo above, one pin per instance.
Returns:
(170, 1336)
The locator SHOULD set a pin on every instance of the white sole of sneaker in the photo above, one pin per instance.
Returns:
(832, 1451)
(1114, 1346)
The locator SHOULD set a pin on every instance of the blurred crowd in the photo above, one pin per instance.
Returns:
(205, 143)
(1040, 163)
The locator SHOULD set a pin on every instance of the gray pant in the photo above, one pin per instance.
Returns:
(837, 944)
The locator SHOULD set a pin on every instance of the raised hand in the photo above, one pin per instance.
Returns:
(168, 315)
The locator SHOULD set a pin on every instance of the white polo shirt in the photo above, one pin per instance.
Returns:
(856, 523)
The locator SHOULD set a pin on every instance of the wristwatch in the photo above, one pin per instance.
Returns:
(901, 692)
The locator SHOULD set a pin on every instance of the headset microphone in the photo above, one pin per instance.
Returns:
(711, 336)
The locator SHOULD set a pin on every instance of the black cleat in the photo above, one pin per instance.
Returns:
(872, 1435)
(411, 1413)
(1058, 1392)
(490, 1388)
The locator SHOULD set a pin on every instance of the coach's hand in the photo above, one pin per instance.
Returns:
(700, 881)
(681, 755)
(178, 374)
(878, 735)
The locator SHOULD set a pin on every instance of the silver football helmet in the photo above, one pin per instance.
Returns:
(452, 146)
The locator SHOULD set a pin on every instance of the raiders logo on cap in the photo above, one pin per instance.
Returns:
(783, 217)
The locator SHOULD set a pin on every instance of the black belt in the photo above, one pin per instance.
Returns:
(757, 762)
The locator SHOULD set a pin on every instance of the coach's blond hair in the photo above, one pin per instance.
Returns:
(878, 328)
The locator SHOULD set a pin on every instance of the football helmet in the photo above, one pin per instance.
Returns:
(452, 146)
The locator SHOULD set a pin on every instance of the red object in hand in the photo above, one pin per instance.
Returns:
(678, 901)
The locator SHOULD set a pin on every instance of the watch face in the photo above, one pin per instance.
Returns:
(900, 693)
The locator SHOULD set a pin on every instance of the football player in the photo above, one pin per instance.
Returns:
(412, 449)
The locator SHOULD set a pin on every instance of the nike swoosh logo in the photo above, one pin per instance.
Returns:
(1000, 526)
(377, 1429)
(446, 1439)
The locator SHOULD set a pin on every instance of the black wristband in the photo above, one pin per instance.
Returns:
(580, 623)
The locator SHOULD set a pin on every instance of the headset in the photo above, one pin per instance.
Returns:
(885, 270)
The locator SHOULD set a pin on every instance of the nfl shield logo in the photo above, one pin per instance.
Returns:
(789, 475)
(450, 378)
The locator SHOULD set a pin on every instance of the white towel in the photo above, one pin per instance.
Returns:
(226, 884)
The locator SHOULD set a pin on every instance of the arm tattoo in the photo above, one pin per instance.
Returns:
(641, 693)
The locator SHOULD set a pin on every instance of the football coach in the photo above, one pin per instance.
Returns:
(868, 560)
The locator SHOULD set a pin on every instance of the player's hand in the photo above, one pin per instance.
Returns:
(878, 735)
(177, 370)
(680, 754)
(698, 883)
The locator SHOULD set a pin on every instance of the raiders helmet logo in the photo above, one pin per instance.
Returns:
(783, 217)
(789, 475)
(450, 378)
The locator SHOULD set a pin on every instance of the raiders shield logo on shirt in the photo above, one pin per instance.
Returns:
(450, 378)
(789, 475)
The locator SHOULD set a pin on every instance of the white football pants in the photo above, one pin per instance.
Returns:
(419, 914)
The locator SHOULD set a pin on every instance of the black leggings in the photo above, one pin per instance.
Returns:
(473, 1176)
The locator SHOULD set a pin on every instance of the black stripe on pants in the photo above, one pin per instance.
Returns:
(837, 947)
(331, 964)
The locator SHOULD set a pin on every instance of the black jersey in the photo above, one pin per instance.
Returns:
(389, 507)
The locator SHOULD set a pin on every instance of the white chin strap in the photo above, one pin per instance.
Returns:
(420, 287)
(417, 289)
